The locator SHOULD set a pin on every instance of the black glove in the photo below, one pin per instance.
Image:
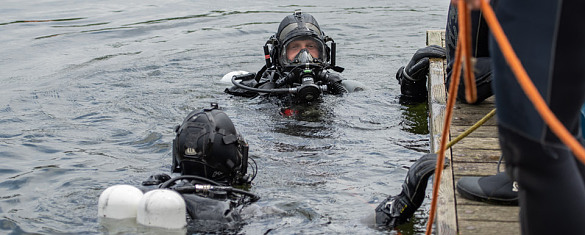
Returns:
(156, 179)
(397, 210)
(412, 78)
(246, 80)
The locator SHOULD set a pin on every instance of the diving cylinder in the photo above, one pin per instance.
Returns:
(162, 208)
(119, 202)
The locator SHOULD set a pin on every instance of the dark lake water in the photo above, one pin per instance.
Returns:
(91, 90)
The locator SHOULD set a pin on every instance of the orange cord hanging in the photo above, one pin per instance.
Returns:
(470, 88)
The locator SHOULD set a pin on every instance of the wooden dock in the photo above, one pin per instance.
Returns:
(475, 155)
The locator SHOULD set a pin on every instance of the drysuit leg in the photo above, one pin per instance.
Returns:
(548, 38)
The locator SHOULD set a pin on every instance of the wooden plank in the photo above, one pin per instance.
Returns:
(473, 109)
(446, 222)
(486, 212)
(437, 102)
(476, 169)
(474, 227)
(467, 155)
(479, 143)
(470, 119)
(436, 37)
(465, 201)
(490, 101)
(482, 131)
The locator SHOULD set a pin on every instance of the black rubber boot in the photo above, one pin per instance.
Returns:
(496, 189)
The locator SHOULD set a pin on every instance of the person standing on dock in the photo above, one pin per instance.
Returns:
(547, 37)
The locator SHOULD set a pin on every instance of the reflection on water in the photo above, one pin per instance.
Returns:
(415, 117)
(91, 92)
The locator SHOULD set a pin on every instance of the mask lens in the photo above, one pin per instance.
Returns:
(303, 50)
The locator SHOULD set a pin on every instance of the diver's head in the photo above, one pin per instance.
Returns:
(208, 145)
(300, 41)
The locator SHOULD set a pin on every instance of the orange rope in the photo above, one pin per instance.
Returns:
(522, 77)
(469, 78)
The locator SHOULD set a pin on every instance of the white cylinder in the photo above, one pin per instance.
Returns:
(228, 77)
(162, 208)
(119, 202)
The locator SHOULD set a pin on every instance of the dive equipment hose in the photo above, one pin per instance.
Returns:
(275, 90)
(209, 186)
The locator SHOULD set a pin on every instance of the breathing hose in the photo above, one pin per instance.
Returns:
(210, 186)
(276, 90)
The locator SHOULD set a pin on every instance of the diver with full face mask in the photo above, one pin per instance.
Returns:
(297, 62)
(212, 160)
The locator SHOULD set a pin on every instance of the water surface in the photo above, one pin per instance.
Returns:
(91, 91)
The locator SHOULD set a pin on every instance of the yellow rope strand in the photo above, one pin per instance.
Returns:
(472, 128)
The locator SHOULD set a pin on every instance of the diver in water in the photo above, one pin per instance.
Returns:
(209, 194)
(297, 66)
(212, 159)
